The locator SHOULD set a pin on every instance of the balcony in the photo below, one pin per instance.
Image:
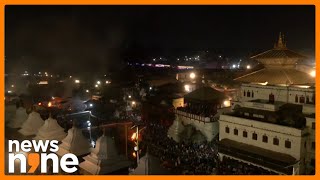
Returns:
(197, 117)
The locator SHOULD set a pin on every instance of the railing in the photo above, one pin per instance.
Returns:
(196, 117)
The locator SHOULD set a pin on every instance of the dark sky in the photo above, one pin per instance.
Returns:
(90, 37)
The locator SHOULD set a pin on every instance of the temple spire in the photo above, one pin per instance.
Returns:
(280, 44)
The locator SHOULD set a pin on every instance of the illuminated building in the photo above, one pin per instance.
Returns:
(273, 119)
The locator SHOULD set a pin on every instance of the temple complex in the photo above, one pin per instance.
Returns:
(272, 122)
(201, 110)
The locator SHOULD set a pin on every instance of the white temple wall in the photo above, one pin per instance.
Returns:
(209, 129)
(283, 133)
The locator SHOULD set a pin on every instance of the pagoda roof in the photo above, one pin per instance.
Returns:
(277, 76)
(279, 53)
(206, 94)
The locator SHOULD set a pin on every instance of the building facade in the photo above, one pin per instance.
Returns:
(272, 122)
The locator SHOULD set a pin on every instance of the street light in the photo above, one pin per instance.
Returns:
(77, 81)
(98, 82)
(192, 75)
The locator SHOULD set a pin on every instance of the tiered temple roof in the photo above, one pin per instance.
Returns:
(279, 67)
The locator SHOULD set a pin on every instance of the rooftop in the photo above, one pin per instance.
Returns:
(277, 76)
(289, 115)
(279, 55)
(260, 156)
(205, 94)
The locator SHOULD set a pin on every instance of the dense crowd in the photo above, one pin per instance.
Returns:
(181, 158)
(232, 167)
(190, 158)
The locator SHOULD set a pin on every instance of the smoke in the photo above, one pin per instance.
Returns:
(65, 44)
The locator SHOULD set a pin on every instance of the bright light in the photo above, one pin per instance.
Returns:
(226, 103)
(39, 104)
(234, 66)
(52, 97)
(70, 76)
(77, 81)
(12, 85)
(134, 136)
(265, 83)
(87, 90)
(9, 91)
(96, 85)
(313, 73)
(129, 96)
(90, 105)
(49, 104)
(107, 82)
(136, 148)
(133, 102)
(134, 154)
(248, 67)
(150, 88)
(98, 82)
(187, 88)
(192, 75)
(93, 143)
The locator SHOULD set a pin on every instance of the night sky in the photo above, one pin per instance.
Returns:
(100, 37)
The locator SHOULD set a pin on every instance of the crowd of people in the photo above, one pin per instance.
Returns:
(191, 158)
(181, 158)
(233, 167)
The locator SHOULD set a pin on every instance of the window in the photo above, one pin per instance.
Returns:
(254, 136)
(313, 125)
(271, 98)
(313, 145)
(276, 141)
(252, 94)
(301, 99)
(296, 98)
(248, 94)
(235, 131)
(265, 139)
(227, 130)
(245, 134)
(287, 144)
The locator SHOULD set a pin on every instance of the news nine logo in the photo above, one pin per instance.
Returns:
(20, 152)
